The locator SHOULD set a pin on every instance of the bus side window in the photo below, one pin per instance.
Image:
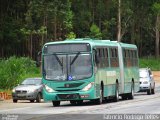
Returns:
(136, 58)
(106, 57)
(101, 58)
(114, 57)
(125, 57)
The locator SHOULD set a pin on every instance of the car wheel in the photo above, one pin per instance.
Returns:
(153, 90)
(149, 90)
(15, 101)
(56, 103)
(31, 101)
(38, 99)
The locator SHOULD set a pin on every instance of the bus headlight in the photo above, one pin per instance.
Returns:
(48, 89)
(88, 87)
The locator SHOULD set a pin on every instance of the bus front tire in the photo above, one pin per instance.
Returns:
(56, 103)
(15, 101)
(124, 97)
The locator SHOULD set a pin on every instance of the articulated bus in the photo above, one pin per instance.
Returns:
(87, 69)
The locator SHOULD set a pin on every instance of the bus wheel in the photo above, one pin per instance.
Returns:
(15, 101)
(56, 103)
(116, 98)
(124, 97)
(131, 94)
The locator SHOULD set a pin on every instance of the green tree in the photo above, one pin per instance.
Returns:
(156, 9)
(83, 17)
(95, 32)
(71, 35)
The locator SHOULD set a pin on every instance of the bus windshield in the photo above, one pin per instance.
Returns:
(62, 67)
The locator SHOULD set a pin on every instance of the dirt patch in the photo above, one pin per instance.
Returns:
(156, 75)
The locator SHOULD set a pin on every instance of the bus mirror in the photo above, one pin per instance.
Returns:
(38, 61)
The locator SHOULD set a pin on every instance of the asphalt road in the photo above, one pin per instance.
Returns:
(142, 104)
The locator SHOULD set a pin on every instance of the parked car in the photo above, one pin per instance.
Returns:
(147, 83)
(29, 89)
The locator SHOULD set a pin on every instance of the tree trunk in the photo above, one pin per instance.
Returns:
(42, 40)
(31, 46)
(100, 21)
(157, 36)
(93, 11)
(119, 22)
(55, 25)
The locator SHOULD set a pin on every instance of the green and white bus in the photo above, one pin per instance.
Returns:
(87, 69)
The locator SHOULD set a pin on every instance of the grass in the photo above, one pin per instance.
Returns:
(8, 91)
(152, 63)
(15, 69)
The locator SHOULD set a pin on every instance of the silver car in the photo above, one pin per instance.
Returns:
(29, 89)
(147, 83)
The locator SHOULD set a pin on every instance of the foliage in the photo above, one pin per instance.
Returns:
(151, 62)
(14, 70)
(95, 32)
(71, 35)
(27, 24)
(156, 8)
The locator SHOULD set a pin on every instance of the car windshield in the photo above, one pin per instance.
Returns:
(67, 67)
(30, 81)
(143, 74)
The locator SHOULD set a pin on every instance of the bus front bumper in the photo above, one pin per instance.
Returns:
(66, 96)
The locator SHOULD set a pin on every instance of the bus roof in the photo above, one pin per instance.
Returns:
(94, 42)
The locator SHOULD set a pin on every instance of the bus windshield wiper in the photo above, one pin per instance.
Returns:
(58, 60)
(75, 58)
